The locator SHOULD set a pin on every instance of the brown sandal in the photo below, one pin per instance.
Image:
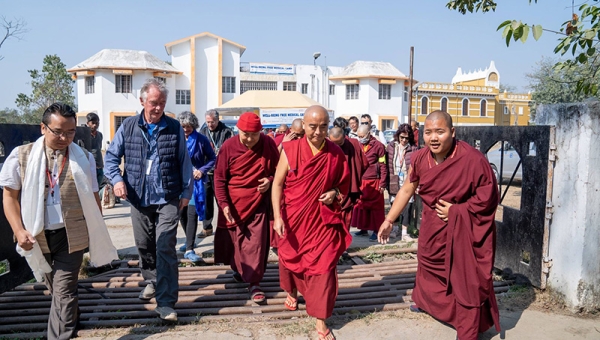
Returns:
(291, 303)
(328, 335)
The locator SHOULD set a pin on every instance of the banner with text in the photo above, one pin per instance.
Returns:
(272, 118)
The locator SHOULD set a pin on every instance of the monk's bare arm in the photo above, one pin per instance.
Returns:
(407, 190)
(12, 211)
(277, 192)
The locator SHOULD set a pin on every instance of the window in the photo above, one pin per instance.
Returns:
(332, 90)
(405, 93)
(122, 83)
(521, 110)
(506, 110)
(258, 85)
(119, 120)
(352, 91)
(387, 124)
(182, 97)
(228, 85)
(444, 104)
(385, 91)
(161, 79)
(424, 105)
(483, 108)
(465, 107)
(304, 88)
(89, 84)
(289, 86)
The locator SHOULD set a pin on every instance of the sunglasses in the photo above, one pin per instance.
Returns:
(364, 123)
(402, 137)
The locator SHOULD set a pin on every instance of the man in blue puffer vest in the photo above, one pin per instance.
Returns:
(157, 181)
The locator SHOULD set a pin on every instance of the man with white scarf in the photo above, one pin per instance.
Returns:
(51, 202)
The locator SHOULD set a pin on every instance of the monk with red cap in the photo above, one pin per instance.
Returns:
(457, 239)
(312, 178)
(243, 175)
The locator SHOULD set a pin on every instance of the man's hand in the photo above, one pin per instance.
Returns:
(442, 208)
(228, 215)
(381, 190)
(289, 137)
(197, 174)
(120, 190)
(183, 203)
(25, 239)
(383, 235)
(279, 226)
(264, 185)
(328, 197)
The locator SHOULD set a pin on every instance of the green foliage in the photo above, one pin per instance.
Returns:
(52, 84)
(507, 88)
(12, 116)
(578, 44)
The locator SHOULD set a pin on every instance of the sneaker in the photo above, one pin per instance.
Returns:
(182, 248)
(192, 256)
(373, 237)
(205, 233)
(148, 293)
(407, 238)
(166, 313)
(361, 233)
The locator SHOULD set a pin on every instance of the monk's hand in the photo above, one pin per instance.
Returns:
(328, 197)
(289, 137)
(264, 185)
(198, 174)
(279, 227)
(120, 190)
(25, 239)
(228, 215)
(383, 236)
(381, 190)
(184, 202)
(442, 208)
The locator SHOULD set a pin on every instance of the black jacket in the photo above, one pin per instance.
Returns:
(218, 136)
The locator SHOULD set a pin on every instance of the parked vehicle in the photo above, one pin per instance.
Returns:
(511, 159)
(389, 135)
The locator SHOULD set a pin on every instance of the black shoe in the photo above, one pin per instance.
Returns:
(362, 233)
(415, 309)
(237, 277)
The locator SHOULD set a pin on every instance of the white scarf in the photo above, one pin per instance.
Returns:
(102, 251)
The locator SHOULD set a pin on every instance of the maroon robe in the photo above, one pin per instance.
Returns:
(454, 276)
(315, 236)
(244, 244)
(369, 211)
(357, 164)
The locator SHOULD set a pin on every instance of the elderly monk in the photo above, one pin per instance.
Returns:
(458, 233)
(280, 132)
(296, 132)
(243, 175)
(369, 211)
(357, 165)
(312, 179)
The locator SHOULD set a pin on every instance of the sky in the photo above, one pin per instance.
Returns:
(287, 31)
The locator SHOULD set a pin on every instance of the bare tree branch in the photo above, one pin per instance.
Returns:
(13, 29)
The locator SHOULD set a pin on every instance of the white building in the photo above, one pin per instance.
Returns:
(205, 72)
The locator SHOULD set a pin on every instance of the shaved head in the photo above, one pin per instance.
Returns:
(316, 123)
(282, 128)
(363, 129)
(316, 111)
(337, 135)
(297, 126)
(435, 115)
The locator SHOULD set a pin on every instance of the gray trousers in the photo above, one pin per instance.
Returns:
(62, 284)
(155, 234)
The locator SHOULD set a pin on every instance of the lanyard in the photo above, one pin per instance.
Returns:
(55, 180)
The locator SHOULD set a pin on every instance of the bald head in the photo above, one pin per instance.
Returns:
(363, 130)
(435, 115)
(337, 135)
(283, 128)
(316, 111)
(316, 123)
(297, 126)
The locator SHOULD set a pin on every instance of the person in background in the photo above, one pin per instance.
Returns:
(93, 122)
(353, 124)
(399, 152)
(217, 133)
(378, 135)
(203, 160)
(415, 127)
(281, 132)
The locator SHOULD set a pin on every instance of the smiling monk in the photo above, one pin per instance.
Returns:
(245, 168)
(458, 234)
(312, 178)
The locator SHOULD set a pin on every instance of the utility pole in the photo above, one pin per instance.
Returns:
(410, 84)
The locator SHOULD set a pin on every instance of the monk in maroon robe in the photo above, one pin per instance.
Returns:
(243, 175)
(458, 233)
(357, 164)
(312, 178)
(369, 211)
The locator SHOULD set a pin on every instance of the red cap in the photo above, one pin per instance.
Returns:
(249, 122)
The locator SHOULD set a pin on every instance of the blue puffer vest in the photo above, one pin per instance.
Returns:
(136, 149)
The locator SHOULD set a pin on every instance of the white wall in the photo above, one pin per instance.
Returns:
(231, 68)
(574, 244)
(207, 74)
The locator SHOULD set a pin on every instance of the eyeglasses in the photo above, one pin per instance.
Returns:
(364, 123)
(402, 137)
(68, 134)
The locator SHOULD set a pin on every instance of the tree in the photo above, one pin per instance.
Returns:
(577, 37)
(13, 29)
(507, 88)
(52, 84)
(12, 116)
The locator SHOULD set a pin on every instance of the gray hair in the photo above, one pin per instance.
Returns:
(156, 83)
(188, 118)
(213, 113)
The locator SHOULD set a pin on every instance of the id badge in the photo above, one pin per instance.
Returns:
(54, 214)
(148, 166)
